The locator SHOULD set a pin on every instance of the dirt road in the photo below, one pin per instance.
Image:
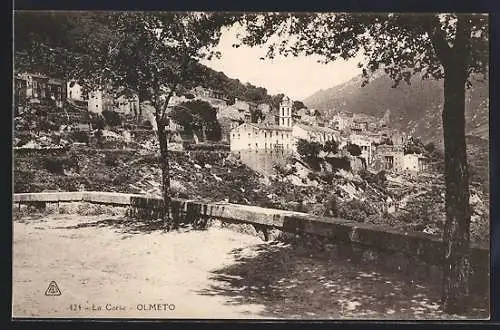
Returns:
(97, 267)
(106, 270)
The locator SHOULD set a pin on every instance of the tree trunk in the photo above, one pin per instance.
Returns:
(165, 172)
(456, 235)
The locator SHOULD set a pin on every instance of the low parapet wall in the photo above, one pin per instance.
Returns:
(416, 254)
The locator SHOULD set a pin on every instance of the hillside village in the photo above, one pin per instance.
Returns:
(374, 170)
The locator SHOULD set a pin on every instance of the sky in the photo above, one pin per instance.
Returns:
(297, 77)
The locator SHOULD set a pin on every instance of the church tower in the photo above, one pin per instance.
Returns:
(285, 113)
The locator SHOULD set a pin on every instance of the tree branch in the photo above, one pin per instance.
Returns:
(438, 39)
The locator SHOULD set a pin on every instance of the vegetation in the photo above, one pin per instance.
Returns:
(331, 146)
(80, 136)
(198, 117)
(154, 54)
(451, 47)
(111, 118)
(353, 149)
(308, 149)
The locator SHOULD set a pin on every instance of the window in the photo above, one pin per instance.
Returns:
(234, 136)
(238, 135)
(389, 162)
(265, 135)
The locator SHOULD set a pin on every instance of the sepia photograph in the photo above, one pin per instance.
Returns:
(257, 165)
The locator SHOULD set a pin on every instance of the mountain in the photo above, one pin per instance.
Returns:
(415, 109)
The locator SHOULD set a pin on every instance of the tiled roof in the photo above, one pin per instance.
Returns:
(317, 129)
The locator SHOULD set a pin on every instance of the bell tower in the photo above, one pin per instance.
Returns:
(285, 113)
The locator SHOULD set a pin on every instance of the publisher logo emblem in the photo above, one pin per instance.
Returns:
(53, 289)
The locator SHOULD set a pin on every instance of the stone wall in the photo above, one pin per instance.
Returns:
(417, 255)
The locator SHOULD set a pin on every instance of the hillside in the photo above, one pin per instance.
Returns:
(415, 109)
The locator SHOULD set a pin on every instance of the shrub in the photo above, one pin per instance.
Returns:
(110, 160)
(313, 176)
(56, 165)
(379, 179)
(80, 136)
(327, 177)
(331, 207)
(331, 146)
(189, 96)
(339, 163)
(98, 122)
(430, 147)
(283, 170)
(356, 210)
(111, 118)
(308, 149)
(353, 149)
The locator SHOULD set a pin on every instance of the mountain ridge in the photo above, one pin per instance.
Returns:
(414, 109)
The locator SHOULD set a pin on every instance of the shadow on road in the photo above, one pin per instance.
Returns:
(291, 283)
(124, 225)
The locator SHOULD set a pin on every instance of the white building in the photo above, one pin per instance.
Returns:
(280, 137)
(314, 133)
(75, 92)
(100, 100)
(365, 143)
(414, 163)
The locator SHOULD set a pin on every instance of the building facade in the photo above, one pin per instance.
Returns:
(278, 134)
(32, 87)
(75, 91)
(392, 158)
(100, 100)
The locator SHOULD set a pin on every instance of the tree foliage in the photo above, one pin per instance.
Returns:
(197, 116)
(353, 149)
(152, 53)
(297, 105)
(331, 146)
(308, 149)
(452, 47)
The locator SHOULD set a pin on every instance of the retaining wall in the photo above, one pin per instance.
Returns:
(416, 255)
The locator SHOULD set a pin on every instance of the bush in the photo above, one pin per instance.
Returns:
(98, 122)
(327, 177)
(308, 149)
(313, 176)
(110, 160)
(378, 179)
(206, 146)
(56, 165)
(80, 136)
(339, 163)
(353, 149)
(111, 118)
(430, 147)
(331, 146)
(331, 207)
(356, 210)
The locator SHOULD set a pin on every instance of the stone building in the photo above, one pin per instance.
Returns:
(277, 133)
(37, 88)
(100, 100)
(75, 91)
(314, 133)
(392, 158)
(266, 136)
